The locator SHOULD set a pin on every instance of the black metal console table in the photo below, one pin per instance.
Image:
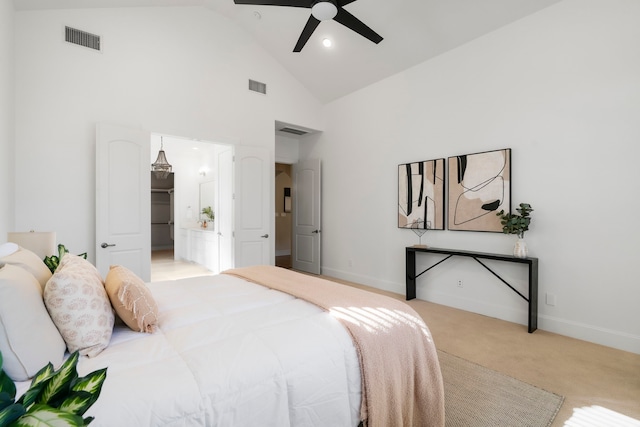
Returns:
(532, 299)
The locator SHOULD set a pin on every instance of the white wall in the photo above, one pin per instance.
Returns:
(6, 119)
(176, 71)
(287, 149)
(562, 89)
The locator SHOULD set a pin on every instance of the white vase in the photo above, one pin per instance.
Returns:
(520, 248)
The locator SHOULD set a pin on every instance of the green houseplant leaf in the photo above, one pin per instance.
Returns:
(46, 416)
(11, 413)
(60, 382)
(53, 261)
(54, 399)
(77, 402)
(7, 388)
(37, 384)
(91, 383)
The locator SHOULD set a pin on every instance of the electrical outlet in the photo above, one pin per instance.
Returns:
(550, 299)
(350, 263)
(460, 284)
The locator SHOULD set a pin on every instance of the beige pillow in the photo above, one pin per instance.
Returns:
(131, 299)
(79, 306)
(31, 262)
(28, 338)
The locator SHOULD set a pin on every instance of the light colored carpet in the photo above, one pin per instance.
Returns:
(476, 396)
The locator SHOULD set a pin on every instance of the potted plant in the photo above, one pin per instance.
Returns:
(517, 224)
(209, 215)
(55, 398)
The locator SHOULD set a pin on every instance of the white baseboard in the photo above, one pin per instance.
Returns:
(595, 334)
(581, 331)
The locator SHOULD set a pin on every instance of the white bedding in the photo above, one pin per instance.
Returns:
(228, 353)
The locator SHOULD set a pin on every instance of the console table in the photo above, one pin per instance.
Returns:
(532, 263)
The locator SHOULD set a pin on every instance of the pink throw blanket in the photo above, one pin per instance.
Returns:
(401, 378)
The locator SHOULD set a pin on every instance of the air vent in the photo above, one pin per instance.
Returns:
(294, 131)
(257, 86)
(81, 38)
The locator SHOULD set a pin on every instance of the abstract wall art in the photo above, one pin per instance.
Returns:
(421, 195)
(479, 186)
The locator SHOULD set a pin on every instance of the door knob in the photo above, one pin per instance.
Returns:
(316, 231)
(265, 236)
(106, 245)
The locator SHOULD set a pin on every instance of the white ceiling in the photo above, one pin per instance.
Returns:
(413, 31)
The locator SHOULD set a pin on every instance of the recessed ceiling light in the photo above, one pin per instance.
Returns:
(327, 42)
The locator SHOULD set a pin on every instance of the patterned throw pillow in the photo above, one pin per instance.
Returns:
(79, 306)
(131, 299)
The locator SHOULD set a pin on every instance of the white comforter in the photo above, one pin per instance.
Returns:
(229, 353)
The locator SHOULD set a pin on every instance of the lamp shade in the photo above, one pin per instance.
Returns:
(42, 243)
(324, 10)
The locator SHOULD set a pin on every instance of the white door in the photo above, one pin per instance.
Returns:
(254, 209)
(306, 241)
(123, 200)
(224, 211)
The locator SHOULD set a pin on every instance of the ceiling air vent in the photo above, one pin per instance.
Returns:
(294, 131)
(257, 86)
(81, 38)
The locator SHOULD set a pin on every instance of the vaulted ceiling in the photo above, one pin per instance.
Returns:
(413, 31)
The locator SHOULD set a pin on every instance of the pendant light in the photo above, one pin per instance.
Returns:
(161, 168)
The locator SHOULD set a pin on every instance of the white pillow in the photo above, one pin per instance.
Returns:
(31, 262)
(79, 306)
(8, 248)
(28, 338)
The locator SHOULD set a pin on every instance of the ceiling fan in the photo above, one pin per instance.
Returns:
(321, 10)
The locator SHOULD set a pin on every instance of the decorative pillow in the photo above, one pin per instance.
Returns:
(79, 306)
(131, 299)
(31, 262)
(28, 338)
(8, 248)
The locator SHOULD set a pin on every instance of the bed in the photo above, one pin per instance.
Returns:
(263, 346)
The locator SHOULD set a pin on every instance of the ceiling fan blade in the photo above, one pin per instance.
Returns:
(291, 3)
(309, 28)
(353, 23)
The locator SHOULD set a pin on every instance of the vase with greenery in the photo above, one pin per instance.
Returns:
(208, 215)
(54, 399)
(517, 224)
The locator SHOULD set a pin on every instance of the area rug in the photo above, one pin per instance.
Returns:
(476, 396)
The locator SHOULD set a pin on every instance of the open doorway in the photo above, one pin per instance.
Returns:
(283, 204)
(184, 234)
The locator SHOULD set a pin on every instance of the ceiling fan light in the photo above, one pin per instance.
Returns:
(324, 10)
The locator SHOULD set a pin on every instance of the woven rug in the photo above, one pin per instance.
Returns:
(476, 396)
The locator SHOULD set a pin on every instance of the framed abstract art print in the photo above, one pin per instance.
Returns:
(421, 195)
(479, 186)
